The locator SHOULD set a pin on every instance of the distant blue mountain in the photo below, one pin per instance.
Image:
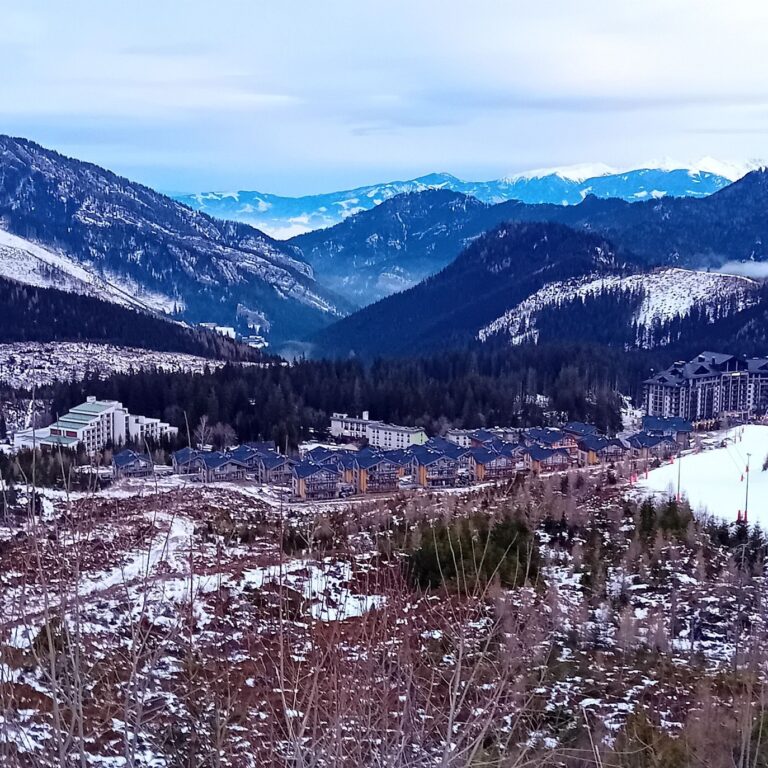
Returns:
(284, 217)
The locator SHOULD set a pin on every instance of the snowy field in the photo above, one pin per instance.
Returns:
(36, 364)
(712, 480)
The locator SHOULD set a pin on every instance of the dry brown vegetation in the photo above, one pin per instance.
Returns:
(207, 628)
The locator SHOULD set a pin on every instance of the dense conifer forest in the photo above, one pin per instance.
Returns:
(46, 314)
(470, 388)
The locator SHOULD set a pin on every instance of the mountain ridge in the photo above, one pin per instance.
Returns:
(728, 226)
(123, 232)
(286, 216)
(425, 231)
(498, 269)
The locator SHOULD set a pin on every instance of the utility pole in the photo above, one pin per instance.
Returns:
(679, 468)
(746, 495)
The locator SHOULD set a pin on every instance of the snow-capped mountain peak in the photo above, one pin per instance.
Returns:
(578, 172)
(285, 217)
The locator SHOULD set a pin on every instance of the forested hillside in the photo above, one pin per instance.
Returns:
(498, 270)
(45, 314)
(492, 385)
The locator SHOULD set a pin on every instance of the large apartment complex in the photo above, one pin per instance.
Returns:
(377, 433)
(96, 424)
(709, 386)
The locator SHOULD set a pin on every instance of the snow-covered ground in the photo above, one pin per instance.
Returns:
(27, 364)
(714, 481)
(666, 294)
(32, 264)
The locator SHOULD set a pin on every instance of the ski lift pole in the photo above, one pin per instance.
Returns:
(746, 493)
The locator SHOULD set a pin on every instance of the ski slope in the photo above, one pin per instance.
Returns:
(712, 480)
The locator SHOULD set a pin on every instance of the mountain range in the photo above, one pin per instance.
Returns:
(286, 217)
(432, 268)
(394, 246)
(462, 300)
(72, 224)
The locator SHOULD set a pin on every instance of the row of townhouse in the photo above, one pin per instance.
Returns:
(96, 424)
(460, 458)
(439, 463)
(261, 460)
(580, 444)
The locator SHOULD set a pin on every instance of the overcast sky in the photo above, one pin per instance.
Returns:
(296, 97)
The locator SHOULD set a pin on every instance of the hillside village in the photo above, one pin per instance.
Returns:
(363, 456)
(368, 457)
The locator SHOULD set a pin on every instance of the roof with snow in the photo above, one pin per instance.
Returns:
(545, 435)
(704, 365)
(185, 455)
(580, 428)
(538, 453)
(217, 459)
(482, 455)
(424, 456)
(273, 460)
(644, 440)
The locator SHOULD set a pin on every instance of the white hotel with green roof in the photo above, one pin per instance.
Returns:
(95, 424)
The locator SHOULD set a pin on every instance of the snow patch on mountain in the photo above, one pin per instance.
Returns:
(666, 294)
(577, 172)
(32, 264)
(24, 365)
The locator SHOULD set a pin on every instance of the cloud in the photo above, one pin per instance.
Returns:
(294, 97)
(755, 269)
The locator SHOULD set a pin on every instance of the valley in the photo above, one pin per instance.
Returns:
(223, 583)
(383, 385)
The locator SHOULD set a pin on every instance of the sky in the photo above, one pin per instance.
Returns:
(295, 97)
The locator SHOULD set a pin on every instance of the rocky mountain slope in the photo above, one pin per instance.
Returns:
(105, 235)
(288, 216)
(657, 297)
(395, 245)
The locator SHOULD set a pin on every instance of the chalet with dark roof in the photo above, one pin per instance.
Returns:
(597, 449)
(547, 459)
(183, 461)
(273, 468)
(377, 473)
(486, 465)
(669, 426)
(645, 446)
(132, 464)
(579, 429)
(216, 466)
(434, 469)
(553, 438)
(312, 481)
